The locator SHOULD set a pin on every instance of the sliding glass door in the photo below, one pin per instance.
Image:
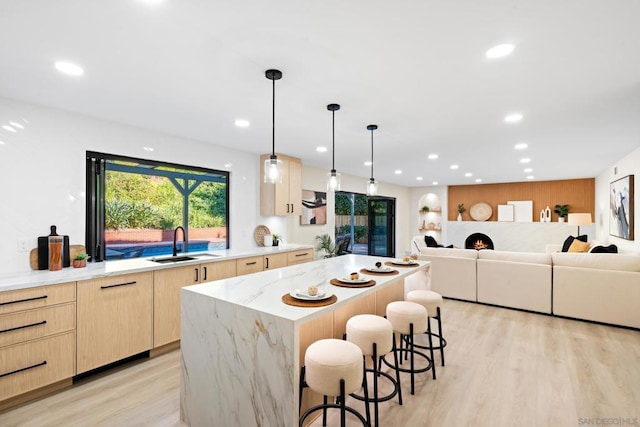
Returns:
(382, 218)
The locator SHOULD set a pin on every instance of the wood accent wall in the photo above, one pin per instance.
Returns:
(579, 194)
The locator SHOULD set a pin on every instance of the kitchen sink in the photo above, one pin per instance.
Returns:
(173, 259)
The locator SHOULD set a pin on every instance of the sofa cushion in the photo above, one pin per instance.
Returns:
(527, 257)
(611, 249)
(451, 252)
(567, 243)
(609, 261)
(578, 246)
(430, 242)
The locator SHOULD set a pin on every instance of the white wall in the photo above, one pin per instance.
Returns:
(315, 179)
(42, 175)
(629, 165)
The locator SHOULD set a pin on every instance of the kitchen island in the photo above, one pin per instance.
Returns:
(242, 347)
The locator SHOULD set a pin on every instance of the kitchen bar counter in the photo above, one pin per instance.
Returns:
(34, 278)
(242, 346)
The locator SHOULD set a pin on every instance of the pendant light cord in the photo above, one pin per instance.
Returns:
(333, 145)
(372, 154)
(273, 120)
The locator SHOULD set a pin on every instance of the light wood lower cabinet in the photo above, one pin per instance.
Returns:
(274, 261)
(249, 265)
(115, 319)
(43, 296)
(33, 324)
(218, 270)
(300, 256)
(35, 364)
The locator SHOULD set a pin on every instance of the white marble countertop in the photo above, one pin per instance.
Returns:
(263, 291)
(33, 278)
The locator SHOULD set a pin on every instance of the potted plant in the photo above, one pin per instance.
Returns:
(325, 243)
(461, 210)
(276, 239)
(80, 260)
(562, 211)
(424, 209)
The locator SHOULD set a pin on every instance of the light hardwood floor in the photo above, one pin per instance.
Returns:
(503, 368)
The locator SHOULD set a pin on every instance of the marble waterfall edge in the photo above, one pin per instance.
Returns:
(243, 342)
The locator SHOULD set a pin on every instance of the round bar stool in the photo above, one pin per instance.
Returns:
(432, 301)
(333, 368)
(374, 335)
(408, 318)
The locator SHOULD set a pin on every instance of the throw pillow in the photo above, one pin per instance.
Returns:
(431, 242)
(569, 241)
(579, 246)
(611, 249)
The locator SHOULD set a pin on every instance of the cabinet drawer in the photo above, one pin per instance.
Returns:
(43, 296)
(300, 256)
(41, 322)
(275, 261)
(28, 366)
(218, 270)
(248, 265)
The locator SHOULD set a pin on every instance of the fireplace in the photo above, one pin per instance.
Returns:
(478, 241)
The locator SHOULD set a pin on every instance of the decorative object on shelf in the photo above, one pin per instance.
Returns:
(542, 217)
(424, 226)
(372, 185)
(314, 208)
(259, 233)
(276, 239)
(80, 260)
(579, 219)
(461, 210)
(333, 179)
(273, 166)
(325, 243)
(562, 211)
(522, 210)
(505, 213)
(547, 214)
(621, 217)
(480, 211)
(268, 240)
(425, 209)
(55, 250)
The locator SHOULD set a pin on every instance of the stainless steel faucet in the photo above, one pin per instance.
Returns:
(175, 237)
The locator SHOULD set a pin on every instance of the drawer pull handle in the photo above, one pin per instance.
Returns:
(119, 284)
(23, 369)
(197, 275)
(205, 273)
(44, 322)
(23, 300)
(251, 263)
(304, 254)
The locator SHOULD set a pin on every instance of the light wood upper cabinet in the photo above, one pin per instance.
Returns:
(282, 198)
(115, 319)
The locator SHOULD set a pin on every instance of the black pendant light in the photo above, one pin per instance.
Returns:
(333, 179)
(273, 166)
(372, 185)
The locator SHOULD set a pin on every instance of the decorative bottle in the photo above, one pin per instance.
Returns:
(55, 250)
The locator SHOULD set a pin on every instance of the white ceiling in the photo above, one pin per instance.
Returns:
(416, 68)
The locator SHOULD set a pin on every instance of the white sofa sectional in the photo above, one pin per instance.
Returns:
(598, 287)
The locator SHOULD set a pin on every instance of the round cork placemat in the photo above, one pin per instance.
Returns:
(380, 273)
(289, 300)
(337, 282)
(391, 264)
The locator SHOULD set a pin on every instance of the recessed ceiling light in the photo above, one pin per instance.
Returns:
(152, 2)
(321, 149)
(530, 176)
(500, 51)
(528, 170)
(468, 174)
(8, 128)
(454, 166)
(17, 125)
(398, 172)
(525, 160)
(148, 148)
(478, 180)
(433, 156)
(435, 183)
(242, 123)
(368, 163)
(228, 165)
(513, 118)
(520, 146)
(69, 68)
(418, 178)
